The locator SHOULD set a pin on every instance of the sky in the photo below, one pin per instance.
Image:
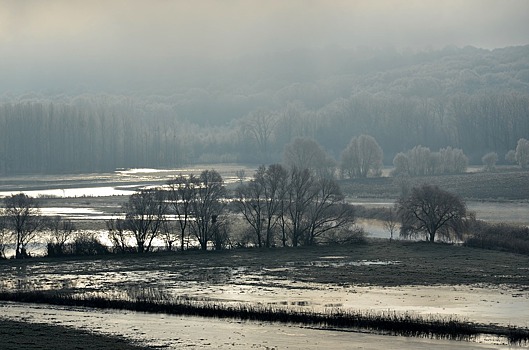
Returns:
(68, 35)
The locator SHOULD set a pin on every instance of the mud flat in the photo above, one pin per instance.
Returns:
(481, 286)
(176, 332)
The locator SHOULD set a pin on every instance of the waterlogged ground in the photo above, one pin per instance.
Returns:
(117, 183)
(475, 285)
(175, 332)
(479, 286)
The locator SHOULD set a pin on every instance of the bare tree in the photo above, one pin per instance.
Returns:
(251, 202)
(327, 211)
(260, 201)
(22, 214)
(275, 180)
(431, 211)
(241, 175)
(259, 127)
(60, 232)
(145, 213)
(300, 195)
(362, 157)
(391, 221)
(4, 235)
(118, 234)
(181, 194)
(206, 205)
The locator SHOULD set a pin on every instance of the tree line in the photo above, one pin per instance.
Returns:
(97, 134)
(403, 99)
(277, 207)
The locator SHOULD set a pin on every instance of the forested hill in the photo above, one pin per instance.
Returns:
(248, 109)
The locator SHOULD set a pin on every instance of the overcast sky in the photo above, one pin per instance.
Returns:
(71, 32)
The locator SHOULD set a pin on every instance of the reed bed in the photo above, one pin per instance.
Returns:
(152, 300)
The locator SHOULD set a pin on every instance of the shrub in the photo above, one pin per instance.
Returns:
(503, 237)
(84, 244)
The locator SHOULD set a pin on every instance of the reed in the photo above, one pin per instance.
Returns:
(151, 300)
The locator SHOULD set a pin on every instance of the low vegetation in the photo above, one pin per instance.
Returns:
(396, 323)
(504, 237)
(440, 263)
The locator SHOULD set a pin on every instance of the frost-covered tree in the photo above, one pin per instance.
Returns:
(306, 153)
(362, 157)
(522, 153)
(420, 161)
(489, 161)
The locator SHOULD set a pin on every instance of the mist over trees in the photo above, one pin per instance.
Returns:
(470, 99)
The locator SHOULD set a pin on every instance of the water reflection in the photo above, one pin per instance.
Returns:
(176, 332)
(264, 286)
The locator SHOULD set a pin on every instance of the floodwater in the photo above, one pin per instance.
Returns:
(177, 332)
(127, 181)
(119, 182)
(257, 285)
(476, 304)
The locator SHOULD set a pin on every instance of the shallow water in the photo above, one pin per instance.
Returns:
(264, 286)
(177, 332)
(119, 182)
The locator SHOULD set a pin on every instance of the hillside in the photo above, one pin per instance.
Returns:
(247, 110)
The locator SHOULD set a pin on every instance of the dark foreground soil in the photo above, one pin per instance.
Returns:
(16, 335)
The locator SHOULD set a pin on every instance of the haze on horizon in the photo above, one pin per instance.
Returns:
(84, 41)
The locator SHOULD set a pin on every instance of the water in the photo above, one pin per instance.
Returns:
(477, 304)
(259, 285)
(177, 332)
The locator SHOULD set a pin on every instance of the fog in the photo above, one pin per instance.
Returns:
(60, 45)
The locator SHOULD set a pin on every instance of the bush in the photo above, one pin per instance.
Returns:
(503, 237)
(88, 245)
(345, 236)
(82, 245)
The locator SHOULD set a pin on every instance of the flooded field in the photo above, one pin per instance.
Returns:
(478, 288)
(205, 279)
(271, 284)
(175, 332)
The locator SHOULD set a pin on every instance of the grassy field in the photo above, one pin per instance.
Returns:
(411, 263)
(509, 184)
